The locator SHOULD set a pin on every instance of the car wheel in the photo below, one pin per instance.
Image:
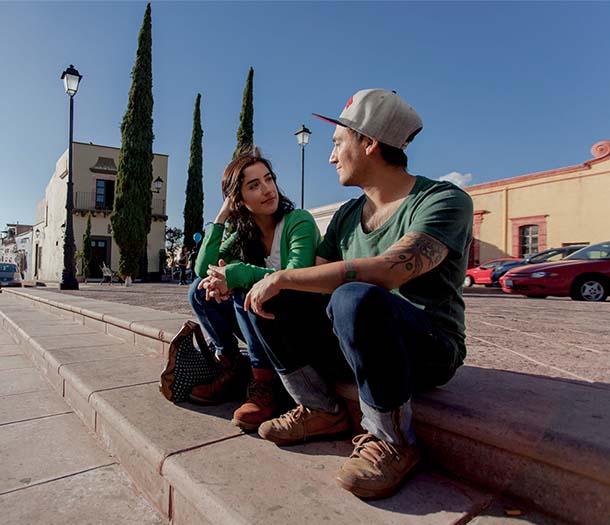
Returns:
(589, 289)
(468, 281)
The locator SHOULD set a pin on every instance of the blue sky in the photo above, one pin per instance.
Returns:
(503, 88)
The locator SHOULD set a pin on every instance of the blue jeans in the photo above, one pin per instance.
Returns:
(226, 321)
(390, 347)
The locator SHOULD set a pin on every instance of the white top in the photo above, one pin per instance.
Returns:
(274, 260)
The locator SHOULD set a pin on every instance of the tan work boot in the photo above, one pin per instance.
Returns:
(376, 468)
(302, 424)
(261, 403)
(227, 386)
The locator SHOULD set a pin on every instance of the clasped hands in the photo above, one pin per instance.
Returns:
(215, 284)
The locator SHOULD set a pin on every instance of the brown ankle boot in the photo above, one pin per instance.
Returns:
(260, 405)
(227, 386)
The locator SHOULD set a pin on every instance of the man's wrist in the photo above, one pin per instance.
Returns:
(279, 279)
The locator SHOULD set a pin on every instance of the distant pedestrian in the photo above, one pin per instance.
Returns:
(192, 260)
(183, 259)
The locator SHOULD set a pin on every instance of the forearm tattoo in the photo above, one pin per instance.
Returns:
(350, 273)
(416, 253)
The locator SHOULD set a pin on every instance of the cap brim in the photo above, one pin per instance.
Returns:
(330, 120)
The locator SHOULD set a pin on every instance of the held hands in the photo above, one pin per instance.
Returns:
(215, 284)
(262, 291)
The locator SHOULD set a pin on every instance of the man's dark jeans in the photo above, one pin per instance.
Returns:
(391, 346)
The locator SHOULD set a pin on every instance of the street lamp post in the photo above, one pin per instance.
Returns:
(71, 78)
(303, 139)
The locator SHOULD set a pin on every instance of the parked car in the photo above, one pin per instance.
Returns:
(552, 254)
(482, 274)
(9, 275)
(583, 276)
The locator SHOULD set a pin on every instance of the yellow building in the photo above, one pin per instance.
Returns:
(94, 169)
(530, 213)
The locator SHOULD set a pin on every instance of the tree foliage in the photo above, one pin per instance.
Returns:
(173, 239)
(87, 252)
(131, 217)
(193, 204)
(245, 133)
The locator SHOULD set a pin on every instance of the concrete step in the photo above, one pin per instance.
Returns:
(52, 470)
(542, 440)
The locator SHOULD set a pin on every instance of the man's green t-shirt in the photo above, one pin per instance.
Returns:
(439, 209)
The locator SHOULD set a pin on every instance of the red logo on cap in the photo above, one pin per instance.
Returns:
(349, 103)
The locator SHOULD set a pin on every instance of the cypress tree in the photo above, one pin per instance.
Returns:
(87, 253)
(131, 217)
(193, 205)
(245, 133)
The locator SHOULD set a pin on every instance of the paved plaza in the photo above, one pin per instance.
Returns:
(554, 337)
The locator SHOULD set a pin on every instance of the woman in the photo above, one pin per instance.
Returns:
(269, 234)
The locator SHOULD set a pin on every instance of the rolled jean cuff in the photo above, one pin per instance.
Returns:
(309, 389)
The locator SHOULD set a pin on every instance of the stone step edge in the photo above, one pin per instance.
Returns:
(437, 430)
(128, 445)
(135, 332)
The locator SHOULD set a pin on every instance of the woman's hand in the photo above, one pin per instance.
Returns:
(225, 211)
(262, 291)
(215, 284)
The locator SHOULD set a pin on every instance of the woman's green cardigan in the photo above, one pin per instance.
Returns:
(300, 238)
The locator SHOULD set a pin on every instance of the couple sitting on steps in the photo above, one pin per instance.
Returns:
(376, 302)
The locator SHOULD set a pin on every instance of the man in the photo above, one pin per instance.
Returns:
(394, 262)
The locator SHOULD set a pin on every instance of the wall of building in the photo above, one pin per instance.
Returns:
(569, 205)
(87, 169)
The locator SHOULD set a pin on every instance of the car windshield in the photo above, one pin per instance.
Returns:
(9, 268)
(595, 252)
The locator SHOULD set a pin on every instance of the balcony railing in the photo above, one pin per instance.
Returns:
(87, 201)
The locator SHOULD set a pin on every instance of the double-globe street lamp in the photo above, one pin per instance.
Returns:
(71, 78)
(303, 139)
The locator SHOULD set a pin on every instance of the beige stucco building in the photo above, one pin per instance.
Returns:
(530, 213)
(94, 169)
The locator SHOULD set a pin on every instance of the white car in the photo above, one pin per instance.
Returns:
(9, 275)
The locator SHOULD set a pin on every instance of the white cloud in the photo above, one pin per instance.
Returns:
(459, 179)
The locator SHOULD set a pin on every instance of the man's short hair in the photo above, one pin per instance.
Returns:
(393, 156)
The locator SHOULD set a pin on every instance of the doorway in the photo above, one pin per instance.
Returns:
(100, 252)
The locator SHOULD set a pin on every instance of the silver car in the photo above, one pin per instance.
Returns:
(9, 275)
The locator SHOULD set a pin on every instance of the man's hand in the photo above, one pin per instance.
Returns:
(261, 292)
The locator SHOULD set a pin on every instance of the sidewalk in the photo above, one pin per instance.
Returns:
(52, 470)
(499, 428)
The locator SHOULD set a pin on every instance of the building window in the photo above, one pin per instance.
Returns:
(528, 240)
(104, 194)
(528, 235)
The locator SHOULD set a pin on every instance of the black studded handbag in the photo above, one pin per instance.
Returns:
(188, 366)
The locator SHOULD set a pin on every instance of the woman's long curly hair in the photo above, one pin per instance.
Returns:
(248, 242)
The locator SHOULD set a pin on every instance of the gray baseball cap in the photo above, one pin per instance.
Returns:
(381, 115)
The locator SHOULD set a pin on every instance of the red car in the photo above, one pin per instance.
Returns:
(583, 276)
(482, 274)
